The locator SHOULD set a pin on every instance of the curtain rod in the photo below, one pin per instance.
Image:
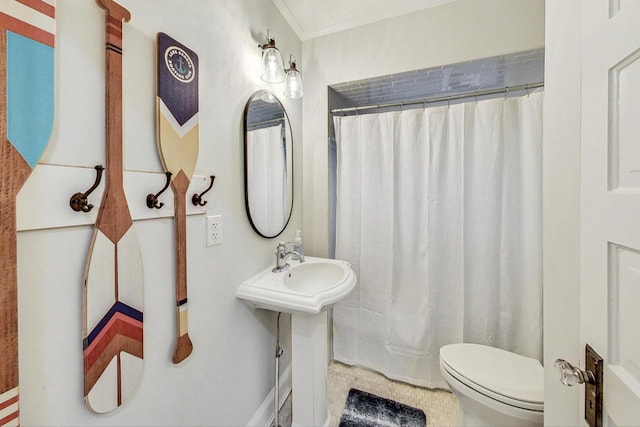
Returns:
(265, 122)
(476, 94)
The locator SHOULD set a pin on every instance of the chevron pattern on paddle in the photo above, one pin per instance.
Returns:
(120, 329)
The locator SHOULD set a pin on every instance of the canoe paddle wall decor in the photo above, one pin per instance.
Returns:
(178, 144)
(27, 35)
(113, 282)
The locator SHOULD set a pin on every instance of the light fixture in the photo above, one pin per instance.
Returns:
(272, 67)
(268, 97)
(293, 80)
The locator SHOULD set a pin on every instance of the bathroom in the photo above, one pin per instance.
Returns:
(229, 377)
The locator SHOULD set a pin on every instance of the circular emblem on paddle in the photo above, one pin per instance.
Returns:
(179, 63)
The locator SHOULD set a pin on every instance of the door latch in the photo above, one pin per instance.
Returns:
(591, 377)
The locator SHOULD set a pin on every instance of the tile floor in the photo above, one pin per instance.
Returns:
(440, 407)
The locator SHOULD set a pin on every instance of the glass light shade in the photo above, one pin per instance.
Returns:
(269, 98)
(293, 84)
(272, 67)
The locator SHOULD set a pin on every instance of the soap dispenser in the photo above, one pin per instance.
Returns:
(297, 243)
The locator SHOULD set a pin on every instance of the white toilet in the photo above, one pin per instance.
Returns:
(494, 387)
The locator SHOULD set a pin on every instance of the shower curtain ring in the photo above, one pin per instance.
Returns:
(527, 88)
(506, 94)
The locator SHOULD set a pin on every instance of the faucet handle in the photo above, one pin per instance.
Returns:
(282, 247)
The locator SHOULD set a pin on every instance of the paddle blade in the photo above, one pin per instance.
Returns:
(113, 322)
(177, 78)
(177, 104)
(178, 145)
(29, 79)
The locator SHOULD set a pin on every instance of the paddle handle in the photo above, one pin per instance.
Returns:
(9, 296)
(114, 218)
(114, 17)
(183, 346)
(115, 12)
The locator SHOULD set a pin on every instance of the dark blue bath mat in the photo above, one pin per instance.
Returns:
(368, 410)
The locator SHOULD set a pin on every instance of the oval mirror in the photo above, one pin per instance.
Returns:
(268, 164)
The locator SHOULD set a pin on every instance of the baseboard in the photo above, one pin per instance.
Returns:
(264, 416)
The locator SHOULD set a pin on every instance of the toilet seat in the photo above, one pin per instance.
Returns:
(498, 374)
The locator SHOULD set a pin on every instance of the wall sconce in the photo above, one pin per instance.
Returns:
(272, 67)
(293, 80)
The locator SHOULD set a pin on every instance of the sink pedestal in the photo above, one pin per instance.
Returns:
(309, 361)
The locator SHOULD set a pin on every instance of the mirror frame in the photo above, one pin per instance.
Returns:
(246, 164)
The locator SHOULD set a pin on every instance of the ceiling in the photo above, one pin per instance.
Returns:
(315, 18)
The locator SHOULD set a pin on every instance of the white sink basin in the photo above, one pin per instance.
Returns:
(316, 277)
(307, 287)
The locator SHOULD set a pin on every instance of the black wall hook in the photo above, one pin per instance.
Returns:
(152, 199)
(79, 202)
(197, 198)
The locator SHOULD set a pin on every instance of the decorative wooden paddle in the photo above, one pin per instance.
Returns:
(178, 143)
(112, 294)
(27, 35)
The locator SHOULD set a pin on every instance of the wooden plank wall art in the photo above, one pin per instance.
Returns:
(112, 293)
(27, 35)
(178, 144)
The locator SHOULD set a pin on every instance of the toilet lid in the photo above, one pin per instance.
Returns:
(507, 374)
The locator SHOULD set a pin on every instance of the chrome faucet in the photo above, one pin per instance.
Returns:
(282, 255)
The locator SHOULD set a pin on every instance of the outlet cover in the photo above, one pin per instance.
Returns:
(214, 230)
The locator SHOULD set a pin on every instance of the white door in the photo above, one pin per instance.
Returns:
(610, 211)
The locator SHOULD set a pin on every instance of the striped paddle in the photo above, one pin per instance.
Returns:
(27, 35)
(112, 293)
(178, 143)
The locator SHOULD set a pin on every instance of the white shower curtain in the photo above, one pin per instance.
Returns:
(439, 212)
(268, 178)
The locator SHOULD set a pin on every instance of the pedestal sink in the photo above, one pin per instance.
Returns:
(305, 290)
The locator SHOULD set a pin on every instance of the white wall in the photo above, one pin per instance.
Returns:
(455, 32)
(230, 371)
(561, 207)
